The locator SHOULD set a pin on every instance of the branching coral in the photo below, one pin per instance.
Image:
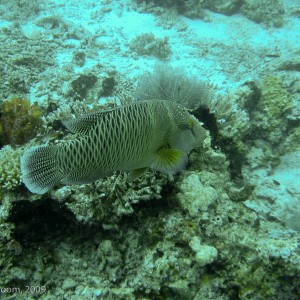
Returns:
(10, 177)
(112, 197)
(19, 121)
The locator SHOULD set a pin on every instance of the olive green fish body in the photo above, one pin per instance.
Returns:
(154, 133)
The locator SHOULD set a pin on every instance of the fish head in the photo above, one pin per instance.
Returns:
(188, 135)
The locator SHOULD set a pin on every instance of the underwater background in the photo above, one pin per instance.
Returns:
(226, 227)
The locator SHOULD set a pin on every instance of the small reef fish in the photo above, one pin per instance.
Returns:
(156, 134)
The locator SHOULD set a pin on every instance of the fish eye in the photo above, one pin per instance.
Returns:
(190, 125)
(184, 126)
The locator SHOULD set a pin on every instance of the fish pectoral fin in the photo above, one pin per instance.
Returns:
(170, 161)
(134, 174)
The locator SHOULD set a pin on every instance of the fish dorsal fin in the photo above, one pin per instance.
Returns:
(84, 123)
(170, 161)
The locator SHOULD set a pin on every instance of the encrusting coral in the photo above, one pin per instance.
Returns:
(274, 105)
(19, 121)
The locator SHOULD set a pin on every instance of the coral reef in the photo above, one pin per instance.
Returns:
(292, 141)
(24, 61)
(173, 84)
(19, 121)
(20, 9)
(226, 7)
(111, 198)
(190, 236)
(204, 254)
(10, 177)
(154, 247)
(193, 196)
(270, 116)
(82, 84)
(196, 235)
(189, 8)
(6, 237)
(148, 44)
(268, 12)
(79, 58)
(246, 123)
(277, 194)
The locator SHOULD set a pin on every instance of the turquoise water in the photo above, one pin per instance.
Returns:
(212, 215)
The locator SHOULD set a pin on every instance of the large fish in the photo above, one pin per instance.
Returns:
(153, 134)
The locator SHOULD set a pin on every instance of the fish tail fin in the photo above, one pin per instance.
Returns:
(170, 161)
(40, 168)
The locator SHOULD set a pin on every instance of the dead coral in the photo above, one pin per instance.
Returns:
(112, 197)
